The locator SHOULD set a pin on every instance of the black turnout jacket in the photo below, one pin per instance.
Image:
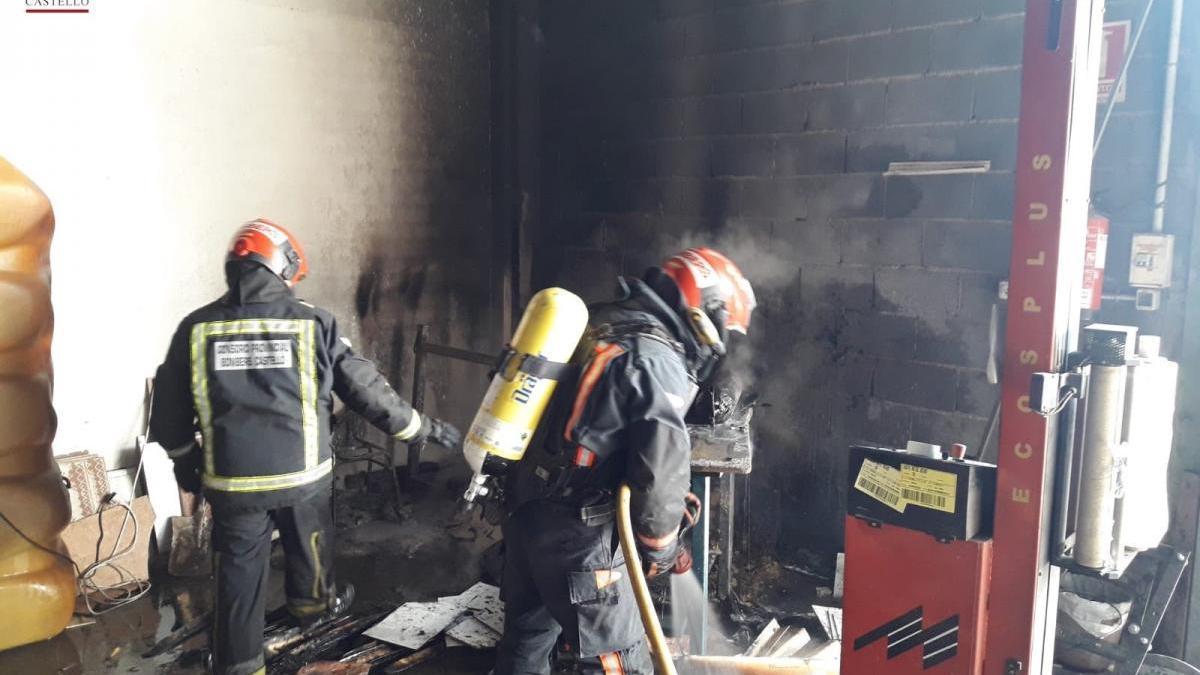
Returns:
(255, 373)
(624, 419)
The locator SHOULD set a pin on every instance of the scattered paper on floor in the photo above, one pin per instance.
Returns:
(759, 646)
(473, 633)
(414, 624)
(486, 606)
(831, 620)
(474, 617)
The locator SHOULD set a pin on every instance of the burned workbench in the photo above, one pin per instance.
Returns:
(721, 449)
(725, 451)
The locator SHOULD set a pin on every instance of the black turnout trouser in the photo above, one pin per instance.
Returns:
(563, 577)
(242, 552)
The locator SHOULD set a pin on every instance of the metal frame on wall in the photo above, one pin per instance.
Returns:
(1060, 73)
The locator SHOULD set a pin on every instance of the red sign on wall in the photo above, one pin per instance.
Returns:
(1112, 57)
(1094, 260)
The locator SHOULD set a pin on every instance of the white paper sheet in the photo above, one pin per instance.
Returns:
(831, 620)
(473, 633)
(486, 606)
(414, 624)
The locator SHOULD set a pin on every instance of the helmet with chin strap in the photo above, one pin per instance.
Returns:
(718, 297)
(270, 245)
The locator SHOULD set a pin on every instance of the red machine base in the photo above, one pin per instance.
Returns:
(913, 604)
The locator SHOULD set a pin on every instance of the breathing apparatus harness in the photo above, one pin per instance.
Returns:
(559, 479)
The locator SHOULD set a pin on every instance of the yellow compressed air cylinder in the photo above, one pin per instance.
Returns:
(37, 588)
(515, 401)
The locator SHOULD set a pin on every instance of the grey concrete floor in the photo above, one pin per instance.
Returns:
(389, 563)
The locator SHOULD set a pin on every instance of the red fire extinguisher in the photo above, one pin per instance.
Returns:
(1093, 261)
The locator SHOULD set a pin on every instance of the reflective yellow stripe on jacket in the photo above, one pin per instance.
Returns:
(308, 395)
(265, 483)
(305, 331)
(414, 427)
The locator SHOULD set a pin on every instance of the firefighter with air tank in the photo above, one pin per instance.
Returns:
(611, 413)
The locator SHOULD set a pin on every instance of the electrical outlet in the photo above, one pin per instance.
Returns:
(1148, 299)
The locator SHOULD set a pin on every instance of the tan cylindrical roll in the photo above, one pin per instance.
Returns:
(1101, 434)
(37, 587)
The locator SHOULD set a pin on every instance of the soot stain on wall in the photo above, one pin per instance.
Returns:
(432, 261)
(662, 129)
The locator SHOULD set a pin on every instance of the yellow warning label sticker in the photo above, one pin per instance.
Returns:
(881, 482)
(930, 488)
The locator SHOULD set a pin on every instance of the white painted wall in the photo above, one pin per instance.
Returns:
(157, 126)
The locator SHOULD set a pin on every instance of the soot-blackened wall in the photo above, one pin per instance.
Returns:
(764, 129)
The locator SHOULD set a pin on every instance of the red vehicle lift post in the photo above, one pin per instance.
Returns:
(1053, 179)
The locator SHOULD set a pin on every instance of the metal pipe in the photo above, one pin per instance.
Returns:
(701, 484)
(984, 454)
(1112, 97)
(459, 354)
(422, 347)
(1101, 433)
(1168, 116)
(732, 665)
(727, 486)
(1063, 471)
(418, 398)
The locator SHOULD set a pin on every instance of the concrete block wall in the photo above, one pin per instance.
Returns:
(765, 128)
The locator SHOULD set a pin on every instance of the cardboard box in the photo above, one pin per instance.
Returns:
(83, 539)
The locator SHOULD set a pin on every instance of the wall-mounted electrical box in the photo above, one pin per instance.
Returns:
(1150, 260)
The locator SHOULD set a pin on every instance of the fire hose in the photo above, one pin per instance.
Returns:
(663, 664)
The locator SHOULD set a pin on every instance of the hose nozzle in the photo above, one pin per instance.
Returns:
(477, 488)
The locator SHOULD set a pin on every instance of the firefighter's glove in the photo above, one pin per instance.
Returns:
(692, 510)
(683, 561)
(443, 433)
(655, 561)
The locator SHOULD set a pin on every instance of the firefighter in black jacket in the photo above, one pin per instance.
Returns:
(255, 373)
(641, 360)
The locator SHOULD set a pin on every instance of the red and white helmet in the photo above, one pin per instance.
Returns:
(711, 284)
(272, 246)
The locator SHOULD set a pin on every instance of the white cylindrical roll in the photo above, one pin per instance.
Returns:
(1101, 434)
(1149, 419)
(1149, 346)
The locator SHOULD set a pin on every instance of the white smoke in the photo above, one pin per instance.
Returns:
(770, 264)
(767, 261)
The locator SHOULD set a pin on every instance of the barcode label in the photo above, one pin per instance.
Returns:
(924, 498)
(882, 493)
(930, 488)
(881, 482)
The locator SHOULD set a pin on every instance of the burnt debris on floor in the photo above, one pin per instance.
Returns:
(417, 563)
(393, 550)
